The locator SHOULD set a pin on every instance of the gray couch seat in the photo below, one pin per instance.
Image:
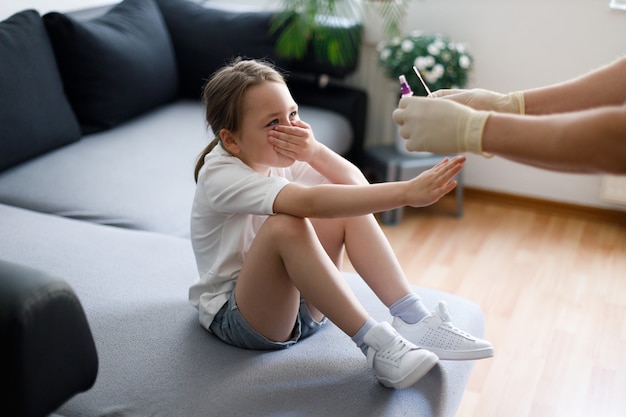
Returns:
(156, 360)
(101, 126)
(138, 175)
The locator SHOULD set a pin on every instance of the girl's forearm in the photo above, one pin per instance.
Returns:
(339, 200)
(337, 169)
(332, 200)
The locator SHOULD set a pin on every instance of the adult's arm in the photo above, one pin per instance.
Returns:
(588, 141)
(585, 141)
(605, 86)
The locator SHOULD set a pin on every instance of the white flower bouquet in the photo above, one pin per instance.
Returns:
(441, 62)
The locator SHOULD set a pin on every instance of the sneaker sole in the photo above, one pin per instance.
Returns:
(422, 369)
(461, 355)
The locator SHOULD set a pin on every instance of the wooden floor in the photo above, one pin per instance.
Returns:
(552, 284)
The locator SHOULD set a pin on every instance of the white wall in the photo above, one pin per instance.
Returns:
(517, 44)
(522, 44)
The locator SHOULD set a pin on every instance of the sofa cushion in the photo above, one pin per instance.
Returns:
(138, 175)
(35, 115)
(115, 66)
(207, 38)
(156, 359)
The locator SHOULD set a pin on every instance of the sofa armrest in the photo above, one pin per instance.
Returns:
(347, 101)
(47, 354)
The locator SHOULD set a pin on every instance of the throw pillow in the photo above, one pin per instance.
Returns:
(35, 116)
(115, 66)
(205, 39)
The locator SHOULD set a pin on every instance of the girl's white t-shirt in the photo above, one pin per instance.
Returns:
(231, 203)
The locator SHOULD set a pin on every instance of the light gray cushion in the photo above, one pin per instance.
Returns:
(138, 175)
(155, 359)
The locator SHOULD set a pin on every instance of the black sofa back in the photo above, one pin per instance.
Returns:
(204, 38)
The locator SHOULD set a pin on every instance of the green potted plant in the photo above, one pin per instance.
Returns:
(331, 30)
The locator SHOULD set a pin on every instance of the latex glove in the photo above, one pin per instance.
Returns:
(440, 126)
(480, 99)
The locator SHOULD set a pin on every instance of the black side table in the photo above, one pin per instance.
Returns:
(387, 164)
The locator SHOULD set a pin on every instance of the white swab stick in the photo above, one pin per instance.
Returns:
(422, 80)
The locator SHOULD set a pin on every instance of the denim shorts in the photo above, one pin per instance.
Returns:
(230, 327)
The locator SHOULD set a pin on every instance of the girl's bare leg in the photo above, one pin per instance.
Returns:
(374, 260)
(285, 260)
(369, 251)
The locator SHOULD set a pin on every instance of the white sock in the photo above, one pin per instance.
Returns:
(409, 308)
(358, 337)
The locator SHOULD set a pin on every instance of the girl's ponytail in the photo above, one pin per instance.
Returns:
(200, 160)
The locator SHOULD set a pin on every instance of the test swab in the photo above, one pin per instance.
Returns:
(422, 80)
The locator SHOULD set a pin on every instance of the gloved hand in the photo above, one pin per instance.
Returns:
(440, 126)
(480, 99)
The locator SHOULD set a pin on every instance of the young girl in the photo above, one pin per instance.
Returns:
(272, 214)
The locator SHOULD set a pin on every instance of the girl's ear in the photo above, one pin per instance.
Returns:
(229, 141)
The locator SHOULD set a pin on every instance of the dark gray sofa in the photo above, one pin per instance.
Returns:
(101, 124)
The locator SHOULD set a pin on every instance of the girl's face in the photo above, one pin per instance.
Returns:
(265, 106)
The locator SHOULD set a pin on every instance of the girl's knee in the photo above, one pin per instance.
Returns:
(287, 226)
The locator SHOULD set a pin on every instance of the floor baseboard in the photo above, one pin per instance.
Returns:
(554, 207)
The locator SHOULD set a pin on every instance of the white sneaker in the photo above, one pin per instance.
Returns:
(441, 337)
(396, 362)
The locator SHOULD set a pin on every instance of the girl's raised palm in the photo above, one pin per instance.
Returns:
(432, 184)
